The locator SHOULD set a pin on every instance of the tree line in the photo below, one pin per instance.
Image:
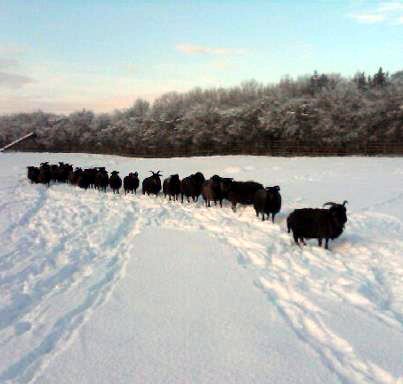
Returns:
(318, 110)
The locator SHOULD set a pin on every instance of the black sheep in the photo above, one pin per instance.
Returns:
(242, 192)
(152, 184)
(33, 174)
(172, 187)
(214, 189)
(101, 179)
(44, 174)
(64, 171)
(267, 201)
(115, 182)
(91, 174)
(74, 176)
(84, 180)
(54, 172)
(191, 186)
(131, 182)
(317, 223)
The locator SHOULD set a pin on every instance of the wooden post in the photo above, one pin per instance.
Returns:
(8, 146)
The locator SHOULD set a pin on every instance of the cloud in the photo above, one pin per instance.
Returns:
(9, 62)
(391, 11)
(11, 50)
(392, 6)
(14, 81)
(191, 49)
(6, 63)
(368, 18)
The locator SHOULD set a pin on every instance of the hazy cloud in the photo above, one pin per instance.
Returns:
(6, 63)
(9, 62)
(11, 50)
(391, 11)
(391, 6)
(191, 49)
(12, 80)
(368, 18)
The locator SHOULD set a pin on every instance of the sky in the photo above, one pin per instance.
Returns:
(66, 55)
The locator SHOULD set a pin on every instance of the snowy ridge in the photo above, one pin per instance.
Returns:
(65, 249)
(54, 266)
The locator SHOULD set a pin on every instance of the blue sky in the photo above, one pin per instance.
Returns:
(66, 55)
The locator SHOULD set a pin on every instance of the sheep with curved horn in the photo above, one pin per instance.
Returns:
(152, 184)
(308, 223)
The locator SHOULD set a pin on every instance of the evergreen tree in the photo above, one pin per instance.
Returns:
(380, 79)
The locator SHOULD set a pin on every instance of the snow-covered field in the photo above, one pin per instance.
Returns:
(100, 288)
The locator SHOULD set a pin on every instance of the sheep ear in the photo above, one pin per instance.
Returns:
(277, 188)
(329, 203)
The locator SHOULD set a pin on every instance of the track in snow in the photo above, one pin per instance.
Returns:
(64, 250)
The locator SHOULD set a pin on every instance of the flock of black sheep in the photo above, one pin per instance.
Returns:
(305, 223)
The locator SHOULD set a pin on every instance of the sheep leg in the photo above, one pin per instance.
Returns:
(295, 238)
(262, 216)
(257, 213)
(327, 243)
(320, 242)
(272, 217)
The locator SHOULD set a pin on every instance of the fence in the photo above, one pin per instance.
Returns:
(272, 148)
(267, 148)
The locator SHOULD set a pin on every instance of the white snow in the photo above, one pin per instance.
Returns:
(97, 288)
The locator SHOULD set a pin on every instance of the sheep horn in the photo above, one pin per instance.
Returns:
(344, 203)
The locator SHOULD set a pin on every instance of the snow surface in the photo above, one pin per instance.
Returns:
(104, 288)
